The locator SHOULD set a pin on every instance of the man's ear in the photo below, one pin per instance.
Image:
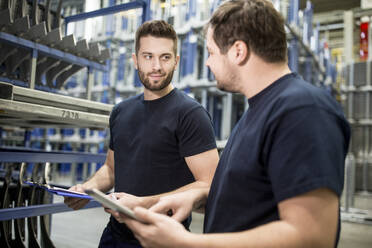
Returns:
(177, 61)
(134, 57)
(239, 52)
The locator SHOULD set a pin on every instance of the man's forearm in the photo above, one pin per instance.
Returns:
(274, 235)
(200, 193)
(103, 179)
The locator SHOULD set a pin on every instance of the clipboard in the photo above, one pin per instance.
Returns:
(59, 191)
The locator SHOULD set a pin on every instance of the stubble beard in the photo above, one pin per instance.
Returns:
(157, 85)
(228, 82)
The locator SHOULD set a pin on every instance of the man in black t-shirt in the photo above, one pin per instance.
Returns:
(281, 174)
(161, 141)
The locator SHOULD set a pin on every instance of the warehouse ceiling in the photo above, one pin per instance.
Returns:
(329, 5)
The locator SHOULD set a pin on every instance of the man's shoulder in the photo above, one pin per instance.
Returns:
(129, 101)
(125, 103)
(183, 105)
(184, 100)
(301, 94)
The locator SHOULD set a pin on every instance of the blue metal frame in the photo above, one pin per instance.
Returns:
(189, 51)
(40, 156)
(37, 210)
(308, 23)
(192, 9)
(1, 136)
(29, 155)
(293, 55)
(293, 12)
(144, 4)
(25, 84)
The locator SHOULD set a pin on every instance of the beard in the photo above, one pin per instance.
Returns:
(227, 87)
(227, 82)
(158, 85)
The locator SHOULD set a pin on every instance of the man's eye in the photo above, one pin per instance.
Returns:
(166, 57)
(148, 56)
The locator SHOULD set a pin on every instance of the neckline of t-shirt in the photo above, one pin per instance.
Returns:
(161, 99)
(255, 98)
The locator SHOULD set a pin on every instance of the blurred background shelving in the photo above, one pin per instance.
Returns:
(65, 63)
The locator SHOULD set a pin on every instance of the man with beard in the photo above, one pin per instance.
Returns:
(281, 174)
(161, 141)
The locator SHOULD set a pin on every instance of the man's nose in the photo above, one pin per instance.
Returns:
(156, 65)
(207, 62)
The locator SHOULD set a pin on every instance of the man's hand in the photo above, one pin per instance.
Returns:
(74, 202)
(128, 200)
(183, 203)
(160, 231)
(179, 204)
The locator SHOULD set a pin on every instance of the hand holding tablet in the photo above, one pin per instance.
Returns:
(111, 203)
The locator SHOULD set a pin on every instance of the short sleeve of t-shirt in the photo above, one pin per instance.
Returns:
(112, 116)
(195, 132)
(304, 152)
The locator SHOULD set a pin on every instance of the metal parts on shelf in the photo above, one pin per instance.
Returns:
(32, 108)
(22, 60)
(19, 201)
(14, 194)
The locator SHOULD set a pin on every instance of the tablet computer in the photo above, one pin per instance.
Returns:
(110, 203)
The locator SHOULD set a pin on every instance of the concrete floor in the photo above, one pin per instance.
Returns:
(83, 229)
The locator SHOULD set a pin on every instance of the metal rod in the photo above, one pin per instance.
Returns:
(349, 181)
(90, 83)
(33, 68)
(53, 157)
(106, 11)
(37, 210)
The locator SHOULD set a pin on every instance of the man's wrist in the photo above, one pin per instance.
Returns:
(149, 201)
(189, 240)
(200, 200)
(88, 185)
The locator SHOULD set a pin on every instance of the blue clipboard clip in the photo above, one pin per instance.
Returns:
(59, 191)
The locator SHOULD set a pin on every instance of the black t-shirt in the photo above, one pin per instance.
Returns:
(291, 140)
(150, 140)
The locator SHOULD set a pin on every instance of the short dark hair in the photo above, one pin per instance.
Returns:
(256, 22)
(156, 28)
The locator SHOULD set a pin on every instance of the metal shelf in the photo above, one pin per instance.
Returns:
(362, 122)
(351, 88)
(356, 215)
(35, 115)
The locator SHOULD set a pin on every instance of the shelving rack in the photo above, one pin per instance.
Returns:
(356, 93)
(33, 98)
(357, 105)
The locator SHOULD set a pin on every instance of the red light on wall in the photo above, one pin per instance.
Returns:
(363, 48)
